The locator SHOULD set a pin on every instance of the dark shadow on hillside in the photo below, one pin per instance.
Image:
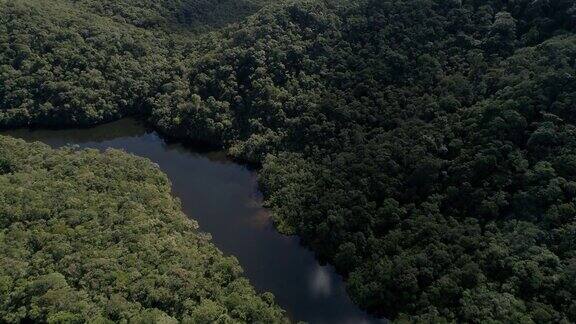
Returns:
(175, 15)
(215, 14)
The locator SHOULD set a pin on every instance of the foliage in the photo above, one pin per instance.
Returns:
(88, 62)
(423, 147)
(90, 236)
(426, 148)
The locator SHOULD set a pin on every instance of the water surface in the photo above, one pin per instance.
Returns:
(223, 197)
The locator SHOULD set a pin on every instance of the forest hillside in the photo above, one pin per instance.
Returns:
(425, 148)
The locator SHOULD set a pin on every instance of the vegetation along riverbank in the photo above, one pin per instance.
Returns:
(425, 148)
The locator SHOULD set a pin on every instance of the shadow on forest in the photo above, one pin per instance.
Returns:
(215, 14)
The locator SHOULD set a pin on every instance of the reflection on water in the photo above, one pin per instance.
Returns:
(122, 128)
(223, 197)
(260, 219)
(321, 283)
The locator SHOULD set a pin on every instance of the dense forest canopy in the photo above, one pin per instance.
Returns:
(426, 148)
(90, 236)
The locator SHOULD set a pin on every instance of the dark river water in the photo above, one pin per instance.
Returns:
(223, 197)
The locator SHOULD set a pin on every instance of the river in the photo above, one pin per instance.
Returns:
(223, 197)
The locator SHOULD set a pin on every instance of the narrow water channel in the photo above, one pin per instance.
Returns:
(223, 197)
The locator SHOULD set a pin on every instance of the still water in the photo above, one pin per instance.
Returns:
(223, 197)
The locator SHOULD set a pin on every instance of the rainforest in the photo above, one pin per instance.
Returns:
(426, 149)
